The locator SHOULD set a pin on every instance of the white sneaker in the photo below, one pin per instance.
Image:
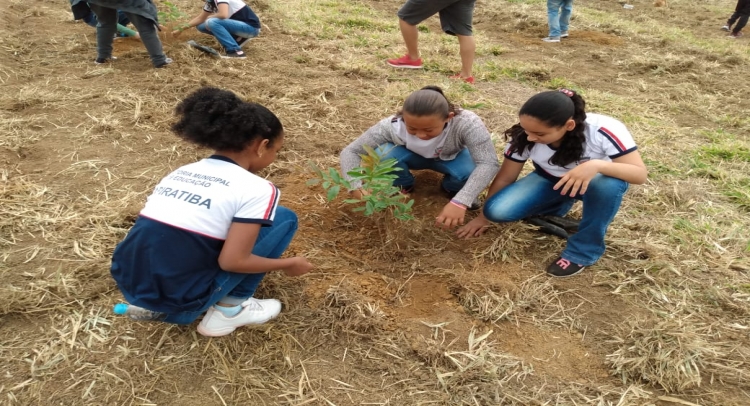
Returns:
(254, 311)
(551, 39)
(725, 28)
(564, 34)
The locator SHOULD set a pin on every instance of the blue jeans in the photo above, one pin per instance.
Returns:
(456, 171)
(271, 243)
(533, 195)
(558, 19)
(226, 29)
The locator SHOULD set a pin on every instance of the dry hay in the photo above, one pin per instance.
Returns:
(535, 301)
(677, 355)
(352, 311)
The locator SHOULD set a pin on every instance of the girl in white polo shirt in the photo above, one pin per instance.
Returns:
(211, 229)
(576, 156)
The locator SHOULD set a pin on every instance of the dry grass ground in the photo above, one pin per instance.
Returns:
(397, 314)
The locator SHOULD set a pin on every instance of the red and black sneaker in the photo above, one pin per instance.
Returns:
(562, 268)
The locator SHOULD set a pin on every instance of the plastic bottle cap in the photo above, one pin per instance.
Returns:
(120, 308)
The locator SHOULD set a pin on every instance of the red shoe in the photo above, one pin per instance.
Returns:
(405, 62)
(469, 80)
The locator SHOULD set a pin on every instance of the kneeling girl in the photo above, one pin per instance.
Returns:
(431, 133)
(211, 229)
(576, 156)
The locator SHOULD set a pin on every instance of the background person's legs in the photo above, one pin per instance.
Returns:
(147, 30)
(741, 23)
(410, 33)
(553, 17)
(410, 15)
(457, 19)
(467, 47)
(565, 12)
(105, 31)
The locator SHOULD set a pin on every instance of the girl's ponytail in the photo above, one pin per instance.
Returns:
(571, 148)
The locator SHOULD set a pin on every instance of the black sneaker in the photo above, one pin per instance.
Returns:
(102, 61)
(568, 224)
(241, 41)
(166, 62)
(547, 227)
(235, 55)
(562, 268)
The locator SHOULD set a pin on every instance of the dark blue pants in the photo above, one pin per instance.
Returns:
(271, 243)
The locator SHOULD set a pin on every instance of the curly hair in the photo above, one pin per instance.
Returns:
(428, 101)
(554, 108)
(218, 119)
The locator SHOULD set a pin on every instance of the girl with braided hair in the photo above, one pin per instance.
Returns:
(576, 156)
(211, 229)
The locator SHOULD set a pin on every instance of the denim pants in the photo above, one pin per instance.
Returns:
(271, 243)
(226, 29)
(107, 27)
(533, 195)
(558, 16)
(456, 171)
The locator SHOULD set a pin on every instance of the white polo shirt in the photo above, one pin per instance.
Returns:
(606, 139)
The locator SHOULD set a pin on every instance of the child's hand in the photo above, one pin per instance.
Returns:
(451, 216)
(577, 180)
(358, 193)
(301, 266)
(474, 228)
(176, 33)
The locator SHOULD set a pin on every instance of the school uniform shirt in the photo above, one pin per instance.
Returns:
(238, 10)
(464, 130)
(169, 259)
(606, 139)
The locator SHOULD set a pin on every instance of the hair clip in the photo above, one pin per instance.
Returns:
(567, 92)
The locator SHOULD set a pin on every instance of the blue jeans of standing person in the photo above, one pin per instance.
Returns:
(558, 16)
(107, 27)
(226, 29)
(235, 287)
(456, 171)
(533, 195)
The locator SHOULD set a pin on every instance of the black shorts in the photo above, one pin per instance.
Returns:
(455, 15)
